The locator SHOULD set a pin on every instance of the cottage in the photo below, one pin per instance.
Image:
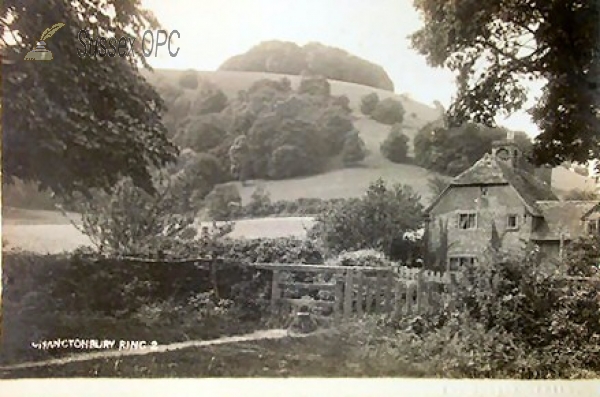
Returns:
(501, 202)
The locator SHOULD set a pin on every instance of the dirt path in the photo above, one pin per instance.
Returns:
(254, 336)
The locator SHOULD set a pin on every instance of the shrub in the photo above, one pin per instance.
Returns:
(189, 80)
(260, 203)
(354, 150)
(395, 146)
(383, 215)
(388, 111)
(223, 202)
(130, 221)
(368, 103)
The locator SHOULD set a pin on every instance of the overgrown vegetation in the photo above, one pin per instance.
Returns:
(451, 151)
(379, 220)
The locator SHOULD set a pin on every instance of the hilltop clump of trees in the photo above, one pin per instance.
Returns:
(289, 58)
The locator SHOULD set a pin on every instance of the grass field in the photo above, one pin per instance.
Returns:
(51, 232)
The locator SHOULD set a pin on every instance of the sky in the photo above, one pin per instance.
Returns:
(211, 31)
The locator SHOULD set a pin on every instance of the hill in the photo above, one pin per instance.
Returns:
(284, 57)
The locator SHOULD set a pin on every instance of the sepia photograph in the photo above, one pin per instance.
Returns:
(405, 190)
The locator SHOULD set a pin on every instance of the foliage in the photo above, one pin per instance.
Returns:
(354, 150)
(52, 296)
(223, 202)
(239, 158)
(334, 125)
(209, 99)
(365, 257)
(493, 47)
(378, 219)
(260, 203)
(288, 58)
(445, 150)
(314, 85)
(112, 125)
(202, 132)
(395, 146)
(437, 185)
(581, 195)
(189, 80)
(388, 111)
(131, 222)
(288, 161)
(368, 103)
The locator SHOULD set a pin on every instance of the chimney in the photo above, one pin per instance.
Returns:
(544, 174)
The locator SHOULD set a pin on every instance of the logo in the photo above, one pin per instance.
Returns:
(40, 53)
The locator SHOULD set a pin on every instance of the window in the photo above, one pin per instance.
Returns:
(467, 221)
(458, 262)
(484, 190)
(512, 222)
(593, 226)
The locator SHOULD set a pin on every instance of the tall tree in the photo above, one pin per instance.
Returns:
(494, 46)
(76, 123)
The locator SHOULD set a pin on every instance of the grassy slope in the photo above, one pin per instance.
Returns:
(339, 181)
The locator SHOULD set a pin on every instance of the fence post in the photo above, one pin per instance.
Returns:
(359, 293)
(348, 295)
(338, 299)
(419, 293)
(398, 298)
(410, 289)
(378, 288)
(275, 290)
(388, 292)
(368, 295)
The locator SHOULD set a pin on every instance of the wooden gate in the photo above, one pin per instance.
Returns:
(345, 292)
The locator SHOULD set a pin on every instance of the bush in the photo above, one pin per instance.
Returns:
(334, 126)
(223, 202)
(354, 150)
(388, 111)
(378, 219)
(189, 80)
(368, 103)
(395, 146)
(130, 221)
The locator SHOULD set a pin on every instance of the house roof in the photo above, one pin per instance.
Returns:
(488, 171)
(562, 217)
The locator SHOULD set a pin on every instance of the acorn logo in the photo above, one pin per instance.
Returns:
(40, 53)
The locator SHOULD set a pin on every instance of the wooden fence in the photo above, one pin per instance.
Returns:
(345, 292)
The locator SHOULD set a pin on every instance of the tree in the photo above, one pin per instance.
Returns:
(389, 111)
(288, 161)
(223, 202)
(368, 103)
(78, 123)
(437, 185)
(494, 46)
(354, 150)
(395, 146)
(376, 220)
(202, 133)
(240, 160)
